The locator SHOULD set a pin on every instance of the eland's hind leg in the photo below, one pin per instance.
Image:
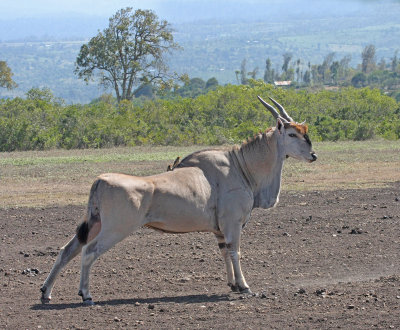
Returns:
(102, 243)
(67, 253)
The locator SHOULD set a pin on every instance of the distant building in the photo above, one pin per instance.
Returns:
(283, 83)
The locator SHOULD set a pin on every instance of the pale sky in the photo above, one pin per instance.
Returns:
(10, 9)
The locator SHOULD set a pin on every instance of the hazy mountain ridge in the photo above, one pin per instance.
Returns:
(69, 24)
(214, 44)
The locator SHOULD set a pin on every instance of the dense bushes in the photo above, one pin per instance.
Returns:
(227, 115)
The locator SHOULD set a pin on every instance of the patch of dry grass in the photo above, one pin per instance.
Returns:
(60, 177)
(346, 165)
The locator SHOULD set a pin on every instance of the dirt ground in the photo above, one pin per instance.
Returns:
(321, 259)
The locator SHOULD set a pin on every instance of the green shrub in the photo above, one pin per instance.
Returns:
(227, 114)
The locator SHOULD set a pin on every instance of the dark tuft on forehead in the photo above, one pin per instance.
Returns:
(302, 129)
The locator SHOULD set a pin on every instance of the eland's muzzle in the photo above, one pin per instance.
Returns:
(314, 156)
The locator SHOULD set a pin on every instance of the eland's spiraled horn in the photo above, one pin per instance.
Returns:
(282, 110)
(269, 107)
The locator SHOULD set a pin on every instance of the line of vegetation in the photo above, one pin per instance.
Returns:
(227, 114)
(332, 73)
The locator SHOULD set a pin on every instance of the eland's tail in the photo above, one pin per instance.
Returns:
(91, 225)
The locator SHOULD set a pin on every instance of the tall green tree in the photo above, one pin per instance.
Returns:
(395, 61)
(324, 69)
(243, 73)
(334, 69)
(287, 57)
(299, 75)
(6, 74)
(307, 77)
(129, 53)
(382, 64)
(368, 59)
(269, 73)
(344, 67)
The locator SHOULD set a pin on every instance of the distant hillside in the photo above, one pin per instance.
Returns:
(214, 45)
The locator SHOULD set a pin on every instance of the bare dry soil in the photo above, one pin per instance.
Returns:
(320, 259)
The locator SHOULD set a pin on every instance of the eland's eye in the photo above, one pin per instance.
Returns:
(292, 135)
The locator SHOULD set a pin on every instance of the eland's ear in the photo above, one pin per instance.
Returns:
(280, 126)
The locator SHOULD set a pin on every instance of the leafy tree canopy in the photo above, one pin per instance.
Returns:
(129, 53)
(6, 80)
(211, 83)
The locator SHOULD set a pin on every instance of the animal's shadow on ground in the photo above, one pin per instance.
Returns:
(188, 299)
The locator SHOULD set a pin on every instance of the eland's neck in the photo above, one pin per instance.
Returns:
(261, 161)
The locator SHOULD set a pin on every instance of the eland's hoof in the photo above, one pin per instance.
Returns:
(246, 291)
(45, 300)
(234, 287)
(88, 302)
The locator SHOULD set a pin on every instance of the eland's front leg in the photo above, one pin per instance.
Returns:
(232, 238)
(228, 262)
(234, 252)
